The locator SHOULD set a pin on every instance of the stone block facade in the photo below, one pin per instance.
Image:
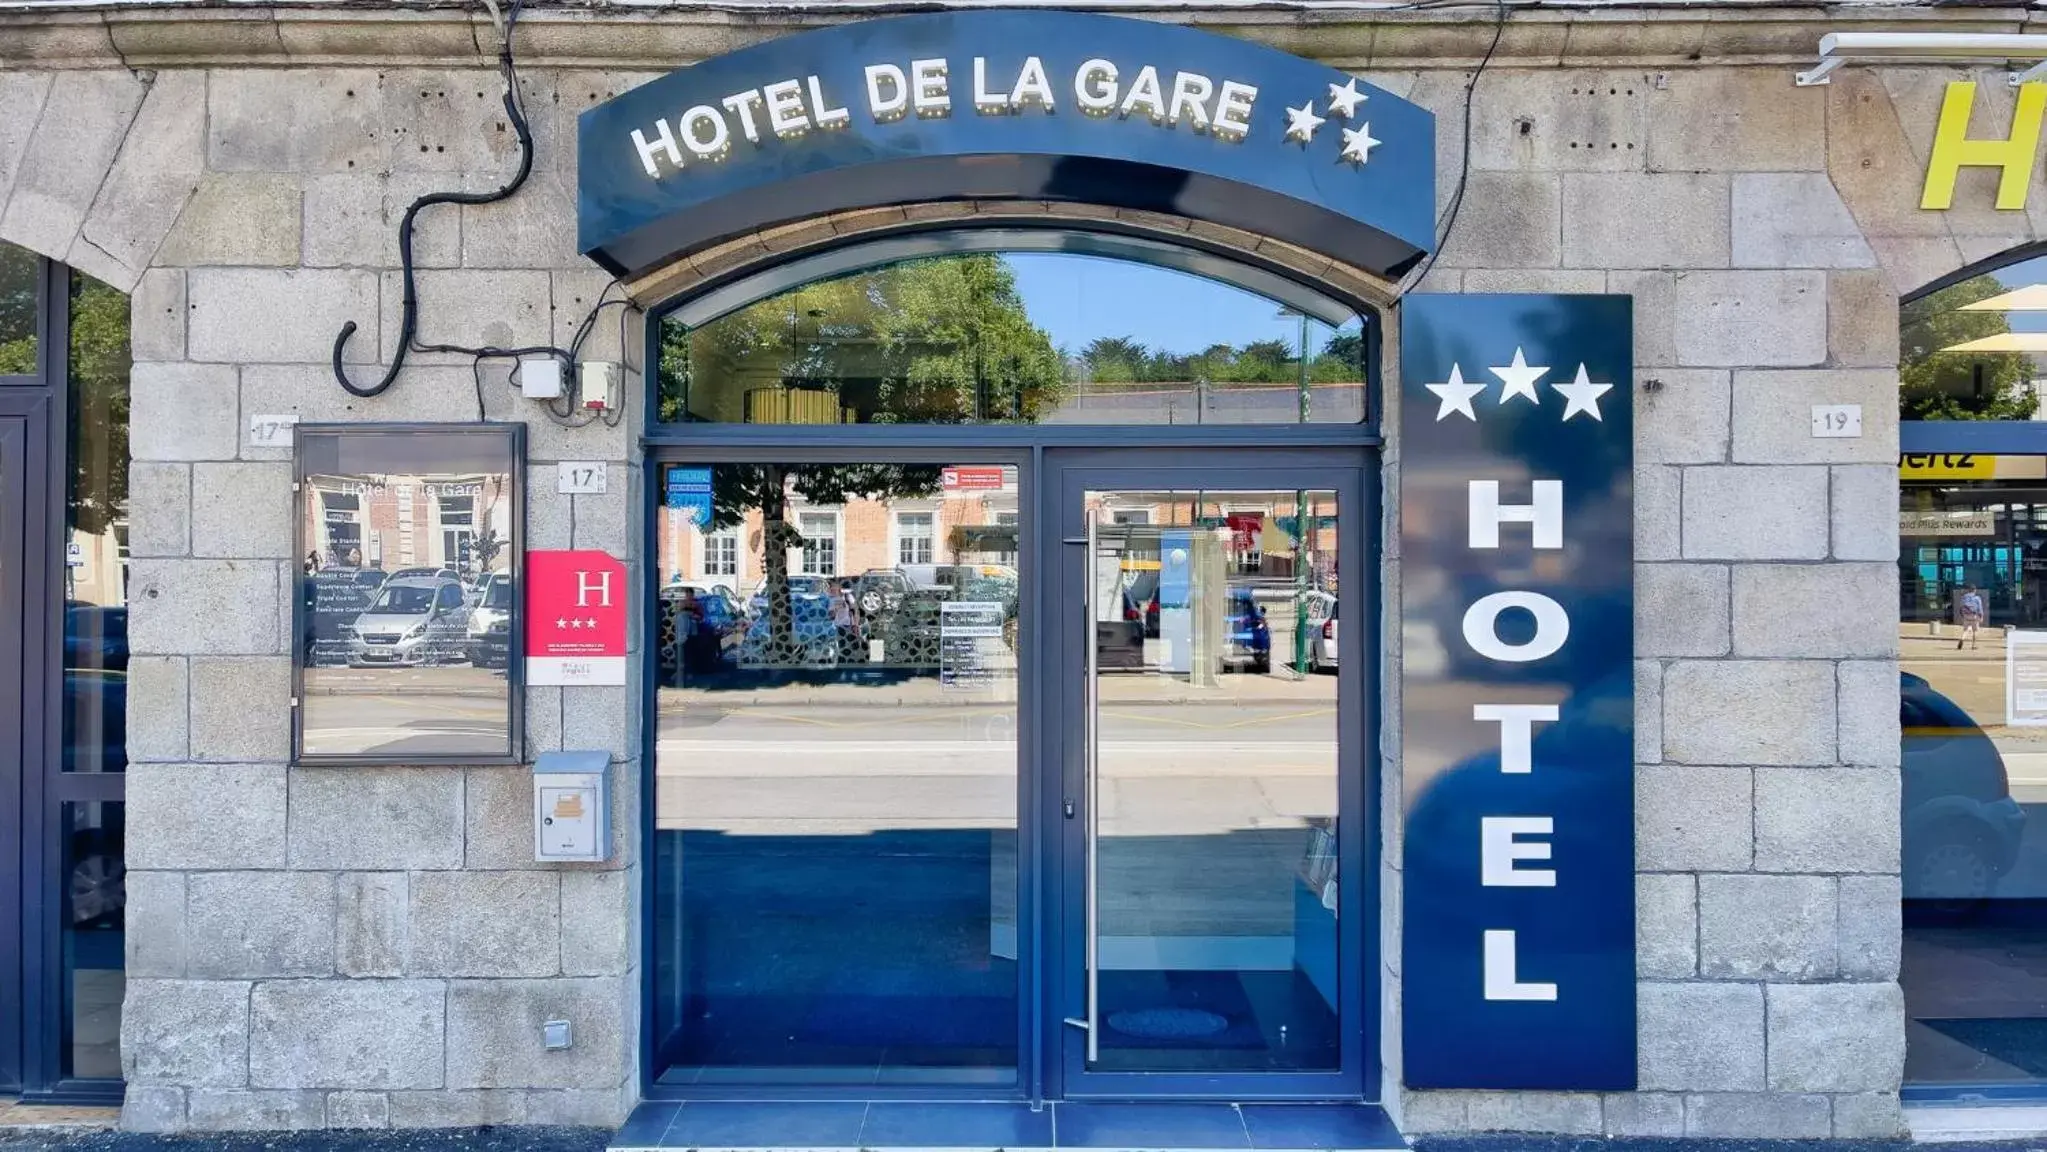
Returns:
(287, 970)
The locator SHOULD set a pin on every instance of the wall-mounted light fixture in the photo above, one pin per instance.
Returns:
(1838, 48)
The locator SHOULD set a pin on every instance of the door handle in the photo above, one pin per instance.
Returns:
(1091, 782)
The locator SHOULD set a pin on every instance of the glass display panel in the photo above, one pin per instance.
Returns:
(408, 592)
(1014, 338)
(96, 531)
(94, 904)
(836, 775)
(20, 272)
(1214, 838)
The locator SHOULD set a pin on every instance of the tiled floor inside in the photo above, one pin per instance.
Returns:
(710, 1125)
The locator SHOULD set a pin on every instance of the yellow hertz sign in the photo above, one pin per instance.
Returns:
(1946, 466)
(1954, 151)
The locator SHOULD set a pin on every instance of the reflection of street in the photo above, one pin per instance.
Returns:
(1176, 765)
(1972, 969)
(425, 711)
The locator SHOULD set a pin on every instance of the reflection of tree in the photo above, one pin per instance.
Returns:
(1938, 385)
(1123, 360)
(99, 405)
(19, 271)
(937, 341)
(738, 489)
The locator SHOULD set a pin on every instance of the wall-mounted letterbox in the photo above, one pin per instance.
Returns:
(571, 806)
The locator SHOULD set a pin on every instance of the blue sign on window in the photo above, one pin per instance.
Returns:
(689, 493)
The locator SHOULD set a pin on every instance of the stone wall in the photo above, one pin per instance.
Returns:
(355, 946)
(287, 971)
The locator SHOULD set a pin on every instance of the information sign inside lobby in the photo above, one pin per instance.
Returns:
(1517, 720)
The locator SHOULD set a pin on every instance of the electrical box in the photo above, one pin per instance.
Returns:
(597, 380)
(571, 806)
(540, 379)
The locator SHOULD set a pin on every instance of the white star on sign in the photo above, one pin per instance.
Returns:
(590, 623)
(1358, 143)
(1456, 394)
(1344, 101)
(1518, 378)
(575, 623)
(1582, 395)
(1301, 122)
(561, 623)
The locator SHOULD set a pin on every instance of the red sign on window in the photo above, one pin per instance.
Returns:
(971, 477)
(575, 618)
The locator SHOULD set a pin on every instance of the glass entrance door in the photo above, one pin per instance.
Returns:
(1211, 814)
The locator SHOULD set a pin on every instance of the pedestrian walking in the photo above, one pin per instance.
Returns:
(1970, 614)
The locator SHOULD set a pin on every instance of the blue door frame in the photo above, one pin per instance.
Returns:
(1049, 946)
(1064, 571)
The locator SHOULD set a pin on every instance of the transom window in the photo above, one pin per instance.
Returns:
(1013, 337)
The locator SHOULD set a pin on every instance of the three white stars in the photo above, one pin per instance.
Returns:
(575, 622)
(1344, 99)
(1581, 395)
(1301, 122)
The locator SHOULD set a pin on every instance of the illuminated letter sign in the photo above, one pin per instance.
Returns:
(1517, 729)
(1010, 105)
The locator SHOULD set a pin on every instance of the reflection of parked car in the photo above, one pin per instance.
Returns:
(442, 573)
(879, 590)
(95, 636)
(414, 620)
(96, 892)
(1961, 825)
(700, 626)
(800, 588)
(1250, 640)
(812, 641)
(489, 640)
(1322, 639)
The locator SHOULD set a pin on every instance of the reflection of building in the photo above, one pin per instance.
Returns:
(391, 522)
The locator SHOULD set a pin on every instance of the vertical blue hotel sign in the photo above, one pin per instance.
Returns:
(1517, 723)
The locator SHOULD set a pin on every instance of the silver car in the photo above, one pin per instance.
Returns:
(414, 620)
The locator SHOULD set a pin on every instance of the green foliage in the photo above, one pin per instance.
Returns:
(18, 273)
(1938, 385)
(939, 341)
(100, 361)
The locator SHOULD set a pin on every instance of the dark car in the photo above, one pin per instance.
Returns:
(1250, 640)
(880, 590)
(1961, 825)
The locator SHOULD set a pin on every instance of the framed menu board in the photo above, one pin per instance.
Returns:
(406, 620)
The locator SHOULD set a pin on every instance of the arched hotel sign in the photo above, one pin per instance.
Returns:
(999, 104)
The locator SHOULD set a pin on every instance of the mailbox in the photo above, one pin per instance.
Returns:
(571, 806)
